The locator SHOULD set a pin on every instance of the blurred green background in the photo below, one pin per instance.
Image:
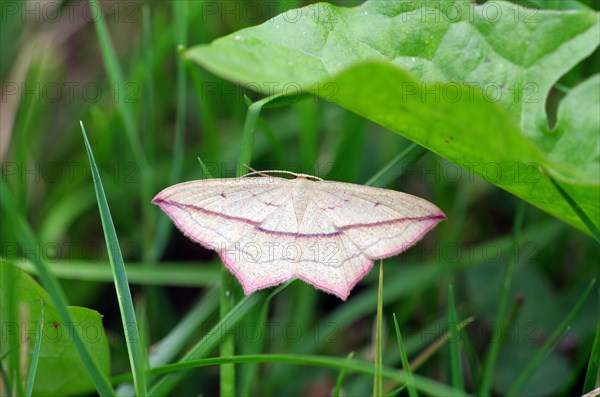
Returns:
(53, 75)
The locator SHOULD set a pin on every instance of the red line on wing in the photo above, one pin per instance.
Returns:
(209, 212)
(392, 221)
(280, 233)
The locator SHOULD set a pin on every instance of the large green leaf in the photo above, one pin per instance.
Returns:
(60, 371)
(468, 82)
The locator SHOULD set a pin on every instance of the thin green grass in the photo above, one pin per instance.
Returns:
(180, 13)
(141, 314)
(410, 380)
(340, 378)
(130, 326)
(24, 126)
(249, 133)
(456, 368)
(426, 354)
(168, 274)
(472, 363)
(12, 343)
(36, 353)
(5, 376)
(393, 169)
(205, 169)
(592, 376)
(501, 318)
(164, 226)
(425, 385)
(576, 208)
(149, 103)
(549, 345)
(227, 344)
(377, 378)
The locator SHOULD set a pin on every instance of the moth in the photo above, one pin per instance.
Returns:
(269, 229)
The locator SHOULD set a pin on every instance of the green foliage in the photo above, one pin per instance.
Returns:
(59, 368)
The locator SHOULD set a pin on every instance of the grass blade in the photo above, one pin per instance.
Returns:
(174, 274)
(437, 344)
(410, 381)
(52, 286)
(425, 385)
(340, 378)
(7, 385)
(550, 344)
(130, 327)
(248, 135)
(144, 339)
(127, 389)
(227, 347)
(454, 344)
(11, 343)
(36, 353)
(494, 349)
(207, 173)
(180, 12)
(393, 170)
(577, 209)
(592, 376)
(377, 378)
(148, 97)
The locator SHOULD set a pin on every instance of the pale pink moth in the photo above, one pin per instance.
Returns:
(268, 230)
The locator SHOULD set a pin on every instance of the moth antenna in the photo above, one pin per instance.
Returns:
(268, 173)
(252, 170)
